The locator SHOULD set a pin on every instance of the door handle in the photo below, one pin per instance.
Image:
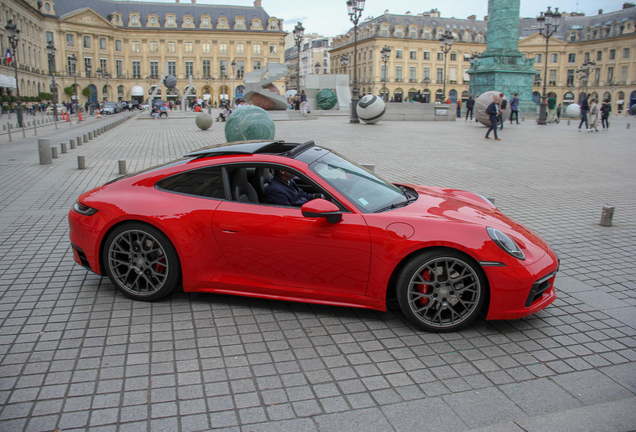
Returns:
(231, 228)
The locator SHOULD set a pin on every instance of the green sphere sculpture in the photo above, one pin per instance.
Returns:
(249, 123)
(326, 99)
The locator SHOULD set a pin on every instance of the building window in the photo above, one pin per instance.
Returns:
(599, 55)
(153, 20)
(586, 57)
(154, 47)
(206, 22)
(172, 47)
(385, 31)
(256, 48)
(189, 47)
(412, 74)
(205, 47)
(554, 58)
(154, 69)
(240, 48)
(257, 64)
(87, 41)
(119, 67)
(117, 45)
(69, 65)
(188, 21)
(102, 43)
(134, 47)
(120, 90)
(440, 56)
(480, 38)
(427, 34)
(570, 81)
(223, 48)
(453, 56)
(70, 40)
(597, 76)
(206, 68)
(440, 75)
(240, 69)
(398, 32)
(384, 73)
(134, 20)
(398, 73)
(427, 55)
(624, 74)
(171, 21)
(610, 74)
(612, 54)
(427, 72)
(172, 68)
(413, 33)
(272, 49)
(573, 37)
(398, 53)
(538, 58)
(571, 58)
(552, 77)
(136, 69)
(188, 68)
(272, 25)
(413, 55)
(626, 53)
(223, 68)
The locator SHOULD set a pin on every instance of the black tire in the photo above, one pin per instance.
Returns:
(141, 262)
(441, 290)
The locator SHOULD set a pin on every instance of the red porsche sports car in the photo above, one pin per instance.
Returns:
(204, 222)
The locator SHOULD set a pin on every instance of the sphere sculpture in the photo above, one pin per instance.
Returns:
(482, 103)
(632, 109)
(170, 81)
(370, 109)
(326, 99)
(573, 111)
(157, 103)
(203, 121)
(249, 123)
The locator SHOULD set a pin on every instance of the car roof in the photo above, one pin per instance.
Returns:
(279, 148)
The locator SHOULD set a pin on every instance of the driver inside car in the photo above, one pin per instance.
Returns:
(282, 190)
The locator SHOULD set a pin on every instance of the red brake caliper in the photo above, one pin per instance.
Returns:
(426, 275)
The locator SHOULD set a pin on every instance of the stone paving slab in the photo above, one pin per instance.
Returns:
(76, 355)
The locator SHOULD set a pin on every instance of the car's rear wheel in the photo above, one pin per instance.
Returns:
(141, 262)
(441, 290)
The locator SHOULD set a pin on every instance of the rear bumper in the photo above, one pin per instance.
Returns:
(517, 292)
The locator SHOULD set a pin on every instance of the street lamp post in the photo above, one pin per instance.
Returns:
(50, 50)
(474, 63)
(90, 89)
(584, 75)
(13, 34)
(354, 9)
(445, 43)
(425, 82)
(548, 24)
(385, 56)
(223, 78)
(233, 103)
(73, 62)
(299, 33)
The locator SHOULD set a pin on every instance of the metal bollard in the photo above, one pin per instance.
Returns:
(568, 122)
(63, 147)
(85, 140)
(54, 152)
(628, 125)
(607, 215)
(81, 162)
(90, 136)
(368, 167)
(122, 166)
(44, 149)
(73, 147)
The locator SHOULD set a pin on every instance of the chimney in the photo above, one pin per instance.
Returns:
(485, 17)
(194, 1)
(628, 5)
(600, 11)
(472, 17)
(257, 3)
(177, 1)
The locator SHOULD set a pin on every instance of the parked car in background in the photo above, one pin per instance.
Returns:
(61, 109)
(111, 107)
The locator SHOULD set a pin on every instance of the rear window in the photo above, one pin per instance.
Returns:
(204, 182)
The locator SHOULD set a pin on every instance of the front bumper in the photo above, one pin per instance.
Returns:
(517, 292)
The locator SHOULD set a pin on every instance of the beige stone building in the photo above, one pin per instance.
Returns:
(607, 39)
(123, 47)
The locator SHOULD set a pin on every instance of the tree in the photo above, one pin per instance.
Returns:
(45, 96)
(69, 91)
(86, 91)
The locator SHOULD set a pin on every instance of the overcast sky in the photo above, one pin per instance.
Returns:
(329, 17)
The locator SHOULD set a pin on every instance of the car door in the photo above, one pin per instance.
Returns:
(278, 245)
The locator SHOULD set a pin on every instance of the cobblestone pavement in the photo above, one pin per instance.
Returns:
(76, 355)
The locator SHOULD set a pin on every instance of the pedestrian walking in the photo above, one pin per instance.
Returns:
(514, 108)
(470, 104)
(493, 112)
(585, 108)
(459, 109)
(594, 111)
(606, 109)
(503, 103)
(558, 110)
(552, 109)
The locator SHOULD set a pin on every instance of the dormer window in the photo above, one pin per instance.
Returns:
(239, 23)
(206, 21)
(188, 21)
(223, 22)
(153, 21)
(134, 20)
(171, 21)
(47, 7)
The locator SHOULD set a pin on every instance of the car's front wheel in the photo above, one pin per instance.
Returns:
(441, 290)
(141, 262)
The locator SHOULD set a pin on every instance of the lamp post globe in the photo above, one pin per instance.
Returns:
(354, 9)
(445, 44)
(385, 56)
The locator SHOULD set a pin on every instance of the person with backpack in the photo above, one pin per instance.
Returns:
(493, 112)
(606, 109)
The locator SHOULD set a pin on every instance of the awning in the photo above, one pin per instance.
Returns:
(620, 101)
(137, 90)
(7, 81)
(466, 76)
(453, 74)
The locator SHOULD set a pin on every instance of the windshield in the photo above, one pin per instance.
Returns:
(365, 190)
(109, 104)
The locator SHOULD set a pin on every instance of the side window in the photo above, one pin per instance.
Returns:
(204, 182)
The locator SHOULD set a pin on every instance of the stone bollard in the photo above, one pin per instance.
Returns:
(628, 125)
(54, 152)
(122, 166)
(73, 147)
(368, 167)
(80, 140)
(85, 140)
(81, 162)
(90, 136)
(44, 148)
(63, 147)
(607, 215)
(568, 122)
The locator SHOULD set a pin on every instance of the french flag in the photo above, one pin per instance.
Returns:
(8, 56)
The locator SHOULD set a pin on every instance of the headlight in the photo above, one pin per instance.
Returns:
(82, 209)
(506, 243)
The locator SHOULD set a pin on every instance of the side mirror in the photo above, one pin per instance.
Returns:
(321, 208)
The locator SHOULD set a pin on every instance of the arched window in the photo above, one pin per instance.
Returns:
(134, 20)
(385, 31)
(206, 21)
(120, 90)
(398, 32)
(413, 32)
(427, 34)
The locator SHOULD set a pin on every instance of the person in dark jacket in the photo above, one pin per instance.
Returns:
(606, 109)
(585, 108)
(470, 103)
(514, 108)
(493, 112)
(282, 190)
